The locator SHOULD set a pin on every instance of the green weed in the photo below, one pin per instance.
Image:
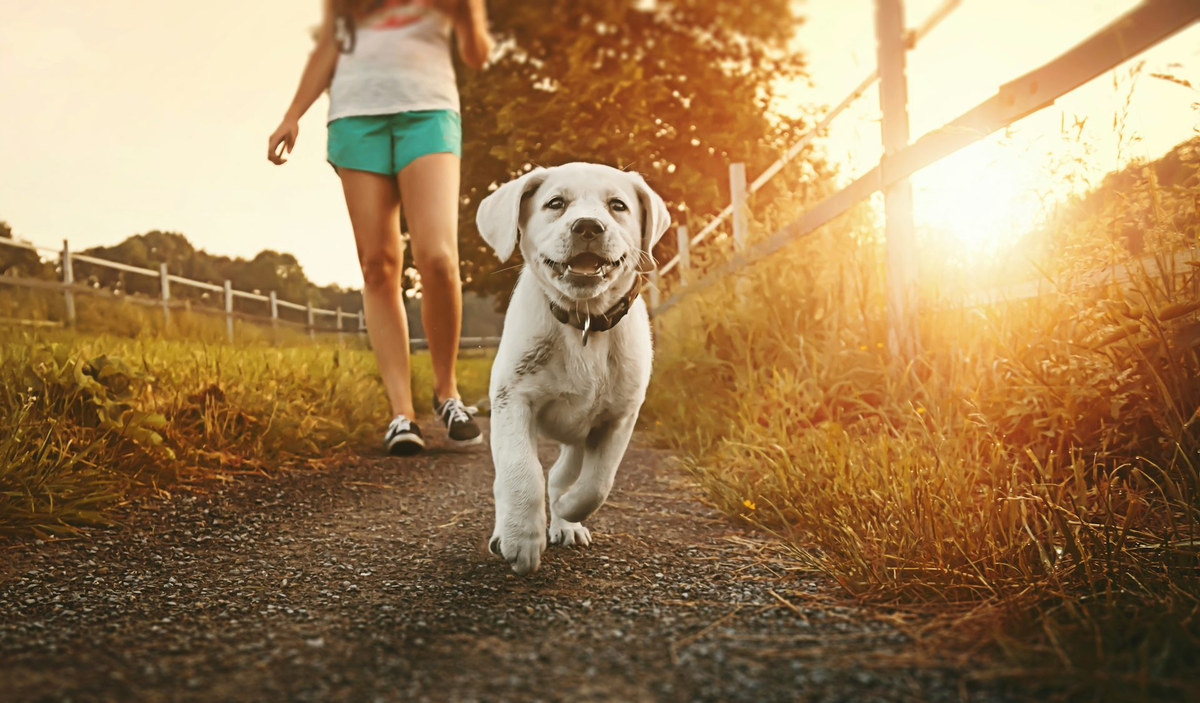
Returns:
(94, 422)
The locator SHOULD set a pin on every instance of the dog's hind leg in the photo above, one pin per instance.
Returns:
(563, 475)
(603, 451)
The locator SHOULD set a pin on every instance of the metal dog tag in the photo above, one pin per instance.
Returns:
(587, 329)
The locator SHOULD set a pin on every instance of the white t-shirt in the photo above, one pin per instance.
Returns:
(400, 62)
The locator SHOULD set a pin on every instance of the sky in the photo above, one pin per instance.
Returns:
(984, 198)
(127, 116)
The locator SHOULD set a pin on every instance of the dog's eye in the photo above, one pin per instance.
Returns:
(618, 205)
(556, 203)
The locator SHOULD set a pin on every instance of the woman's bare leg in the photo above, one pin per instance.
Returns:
(374, 207)
(429, 189)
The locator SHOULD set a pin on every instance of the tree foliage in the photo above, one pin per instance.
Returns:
(675, 91)
(21, 262)
(268, 271)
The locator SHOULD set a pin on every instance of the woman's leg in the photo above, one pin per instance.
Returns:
(374, 207)
(429, 189)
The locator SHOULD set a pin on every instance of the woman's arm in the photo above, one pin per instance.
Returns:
(474, 40)
(318, 72)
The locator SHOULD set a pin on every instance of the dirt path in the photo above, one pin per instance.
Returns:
(373, 582)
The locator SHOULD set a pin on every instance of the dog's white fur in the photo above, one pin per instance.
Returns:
(544, 379)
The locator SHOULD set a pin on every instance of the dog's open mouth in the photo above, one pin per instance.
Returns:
(586, 264)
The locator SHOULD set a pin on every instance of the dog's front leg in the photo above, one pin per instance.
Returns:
(520, 533)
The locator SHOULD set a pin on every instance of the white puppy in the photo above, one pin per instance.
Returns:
(574, 358)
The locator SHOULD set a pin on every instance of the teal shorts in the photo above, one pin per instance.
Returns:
(387, 143)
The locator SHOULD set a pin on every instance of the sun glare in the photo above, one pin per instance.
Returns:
(976, 204)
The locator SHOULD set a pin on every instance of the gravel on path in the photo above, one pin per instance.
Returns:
(372, 581)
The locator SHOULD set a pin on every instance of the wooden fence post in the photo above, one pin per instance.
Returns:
(312, 330)
(741, 224)
(166, 292)
(273, 300)
(685, 257)
(901, 244)
(737, 196)
(68, 277)
(655, 299)
(339, 324)
(229, 310)
(362, 322)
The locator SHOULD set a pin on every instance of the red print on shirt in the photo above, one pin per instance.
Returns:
(395, 14)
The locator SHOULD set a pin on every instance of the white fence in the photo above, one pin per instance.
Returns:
(1139, 29)
(1172, 265)
(1149, 23)
(69, 288)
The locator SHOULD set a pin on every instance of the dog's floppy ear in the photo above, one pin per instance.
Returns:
(499, 214)
(655, 216)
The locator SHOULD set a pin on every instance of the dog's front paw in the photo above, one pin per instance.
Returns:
(569, 534)
(522, 548)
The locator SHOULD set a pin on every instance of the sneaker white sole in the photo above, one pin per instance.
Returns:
(404, 445)
(465, 442)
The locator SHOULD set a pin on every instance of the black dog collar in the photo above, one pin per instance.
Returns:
(601, 322)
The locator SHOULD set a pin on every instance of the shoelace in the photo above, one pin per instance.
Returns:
(399, 424)
(456, 410)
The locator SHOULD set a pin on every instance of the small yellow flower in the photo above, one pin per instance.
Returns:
(879, 345)
(862, 347)
(920, 411)
(749, 504)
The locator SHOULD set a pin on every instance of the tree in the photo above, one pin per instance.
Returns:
(268, 271)
(675, 91)
(148, 251)
(21, 262)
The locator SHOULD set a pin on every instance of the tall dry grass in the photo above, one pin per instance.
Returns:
(1038, 463)
(92, 422)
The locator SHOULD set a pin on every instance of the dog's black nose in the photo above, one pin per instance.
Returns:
(587, 227)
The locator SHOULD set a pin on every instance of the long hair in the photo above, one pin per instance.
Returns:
(346, 13)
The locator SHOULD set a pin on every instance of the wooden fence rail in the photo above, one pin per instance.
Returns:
(1149, 23)
(912, 38)
(1139, 29)
(70, 287)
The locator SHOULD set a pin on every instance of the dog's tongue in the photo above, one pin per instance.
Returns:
(586, 263)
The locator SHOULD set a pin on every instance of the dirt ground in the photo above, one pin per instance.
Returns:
(373, 582)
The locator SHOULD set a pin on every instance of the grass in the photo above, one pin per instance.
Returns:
(97, 421)
(1036, 465)
(1034, 471)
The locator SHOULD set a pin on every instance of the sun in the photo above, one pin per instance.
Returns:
(977, 203)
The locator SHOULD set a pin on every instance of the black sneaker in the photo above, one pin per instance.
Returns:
(403, 437)
(460, 426)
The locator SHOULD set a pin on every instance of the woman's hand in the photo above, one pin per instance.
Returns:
(283, 140)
